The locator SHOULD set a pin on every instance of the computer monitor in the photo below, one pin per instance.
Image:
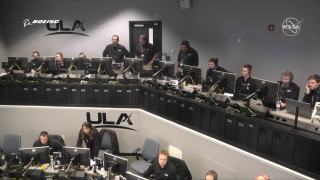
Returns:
(17, 63)
(40, 155)
(194, 72)
(167, 69)
(106, 65)
(225, 81)
(47, 62)
(137, 64)
(304, 108)
(117, 164)
(267, 91)
(77, 62)
(81, 155)
(131, 176)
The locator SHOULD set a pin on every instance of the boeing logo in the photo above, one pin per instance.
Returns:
(27, 22)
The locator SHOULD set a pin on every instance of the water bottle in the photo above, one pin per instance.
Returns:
(278, 105)
(51, 160)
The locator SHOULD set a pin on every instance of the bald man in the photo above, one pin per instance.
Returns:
(262, 177)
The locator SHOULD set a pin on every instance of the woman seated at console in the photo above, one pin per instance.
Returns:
(89, 137)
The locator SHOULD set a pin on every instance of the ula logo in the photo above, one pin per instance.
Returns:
(291, 26)
(63, 30)
(102, 119)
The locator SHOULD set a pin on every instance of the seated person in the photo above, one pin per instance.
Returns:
(85, 59)
(35, 54)
(312, 94)
(161, 168)
(89, 137)
(211, 175)
(213, 65)
(288, 89)
(44, 140)
(244, 87)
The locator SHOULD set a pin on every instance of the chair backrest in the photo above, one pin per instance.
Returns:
(11, 144)
(182, 168)
(57, 137)
(175, 152)
(150, 149)
(106, 142)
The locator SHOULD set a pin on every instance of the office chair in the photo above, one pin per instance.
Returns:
(183, 172)
(105, 145)
(57, 137)
(150, 151)
(11, 144)
(174, 152)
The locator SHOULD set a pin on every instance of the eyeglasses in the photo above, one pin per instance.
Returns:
(114, 39)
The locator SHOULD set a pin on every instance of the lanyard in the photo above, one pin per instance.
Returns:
(315, 94)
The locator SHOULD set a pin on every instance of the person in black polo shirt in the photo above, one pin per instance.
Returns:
(44, 140)
(288, 89)
(187, 56)
(312, 94)
(116, 50)
(161, 168)
(244, 86)
(146, 51)
(213, 65)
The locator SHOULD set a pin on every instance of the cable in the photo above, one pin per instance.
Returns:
(212, 89)
(220, 89)
(192, 80)
(133, 70)
(253, 114)
(17, 66)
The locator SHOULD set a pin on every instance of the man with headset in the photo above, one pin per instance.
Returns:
(312, 94)
(288, 89)
(213, 65)
(146, 51)
(116, 50)
(187, 56)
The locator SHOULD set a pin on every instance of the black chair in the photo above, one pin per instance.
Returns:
(57, 137)
(183, 172)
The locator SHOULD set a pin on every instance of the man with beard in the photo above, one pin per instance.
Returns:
(116, 50)
(213, 65)
(288, 89)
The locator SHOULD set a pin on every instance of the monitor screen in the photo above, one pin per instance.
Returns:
(137, 64)
(119, 165)
(41, 155)
(225, 81)
(105, 64)
(194, 72)
(267, 91)
(81, 155)
(20, 63)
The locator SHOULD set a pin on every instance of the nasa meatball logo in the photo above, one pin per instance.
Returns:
(291, 26)
(114, 159)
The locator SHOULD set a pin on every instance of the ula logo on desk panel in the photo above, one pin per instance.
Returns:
(102, 120)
